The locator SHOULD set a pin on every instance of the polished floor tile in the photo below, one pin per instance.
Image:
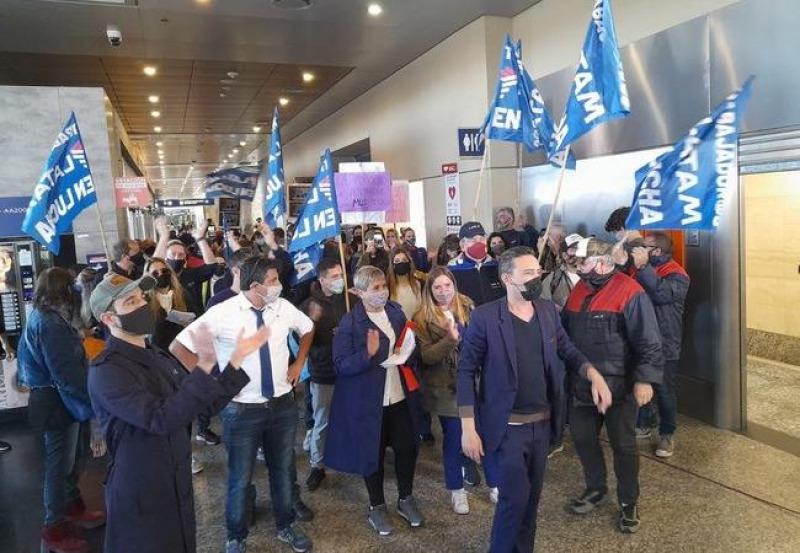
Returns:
(773, 390)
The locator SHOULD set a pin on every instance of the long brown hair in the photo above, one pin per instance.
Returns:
(178, 301)
(55, 292)
(430, 312)
(412, 278)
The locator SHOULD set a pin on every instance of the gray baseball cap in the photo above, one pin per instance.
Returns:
(113, 287)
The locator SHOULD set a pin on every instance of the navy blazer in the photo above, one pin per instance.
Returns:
(487, 368)
(356, 418)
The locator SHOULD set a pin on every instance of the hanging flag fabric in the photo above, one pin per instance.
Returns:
(318, 219)
(510, 118)
(274, 184)
(685, 188)
(236, 182)
(542, 122)
(598, 92)
(63, 191)
(305, 264)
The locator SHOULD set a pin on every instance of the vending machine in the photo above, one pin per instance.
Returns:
(20, 261)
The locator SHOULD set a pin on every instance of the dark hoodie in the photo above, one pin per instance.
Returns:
(320, 356)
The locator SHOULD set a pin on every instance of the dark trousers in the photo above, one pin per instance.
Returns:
(620, 421)
(398, 432)
(454, 460)
(665, 400)
(245, 427)
(308, 417)
(521, 460)
(66, 450)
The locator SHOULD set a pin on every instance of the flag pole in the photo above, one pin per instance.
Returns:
(519, 177)
(344, 272)
(102, 230)
(480, 178)
(555, 201)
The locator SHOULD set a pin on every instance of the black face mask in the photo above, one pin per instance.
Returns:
(176, 265)
(656, 260)
(137, 259)
(164, 280)
(403, 268)
(497, 250)
(532, 289)
(595, 279)
(139, 322)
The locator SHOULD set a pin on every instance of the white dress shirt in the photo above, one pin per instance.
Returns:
(393, 389)
(226, 319)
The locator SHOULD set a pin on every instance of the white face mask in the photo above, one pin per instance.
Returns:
(273, 293)
(337, 286)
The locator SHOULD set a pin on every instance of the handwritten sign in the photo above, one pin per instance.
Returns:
(360, 192)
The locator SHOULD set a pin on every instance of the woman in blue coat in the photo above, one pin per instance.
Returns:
(53, 365)
(372, 406)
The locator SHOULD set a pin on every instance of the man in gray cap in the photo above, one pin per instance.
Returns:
(145, 402)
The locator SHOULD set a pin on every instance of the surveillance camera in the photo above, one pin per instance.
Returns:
(114, 35)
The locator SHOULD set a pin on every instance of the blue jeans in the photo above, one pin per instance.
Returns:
(454, 459)
(245, 427)
(65, 453)
(322, 396)
(666, 400)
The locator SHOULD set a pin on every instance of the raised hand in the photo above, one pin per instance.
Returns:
(452, 330)
(373, 342)
(203, 342)
(161, 226)
(201, 231)
(245, 345)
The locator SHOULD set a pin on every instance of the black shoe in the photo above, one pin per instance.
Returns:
(315, 478)
(472, 475)
(427, 439)
(296, 538)
(207, 436)
(302, 512)
(587, 502)
(5, 447)
(628, 519)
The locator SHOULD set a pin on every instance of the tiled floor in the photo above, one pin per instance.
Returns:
(721, 492)
(773, 395)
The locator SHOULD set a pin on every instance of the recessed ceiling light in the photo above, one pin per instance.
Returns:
(374, 10)
(159, 143)
(230, 156)
(157, 129)
(153, 99)
(256, 129)
(221, 94)
(235, 150)
(242, 143)
(155, 114)
(232, 74)
(307, 77)
(283, 101)
(150, 70)
(161, 152)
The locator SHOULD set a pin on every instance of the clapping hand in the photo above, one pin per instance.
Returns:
(203, 341)
(452, 330)
(373, 342)
(245, 345)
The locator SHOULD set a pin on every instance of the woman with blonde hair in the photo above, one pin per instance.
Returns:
(170, 303)
(441, 322)
(404, 284)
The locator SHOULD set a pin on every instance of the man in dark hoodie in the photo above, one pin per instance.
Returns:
(325, 306)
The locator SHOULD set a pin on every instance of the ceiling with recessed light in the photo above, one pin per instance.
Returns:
(316, 59)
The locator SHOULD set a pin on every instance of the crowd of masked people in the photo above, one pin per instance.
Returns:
(505, 338)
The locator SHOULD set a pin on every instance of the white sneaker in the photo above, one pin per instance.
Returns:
(197, 466)
(494, 495)
(460, 502)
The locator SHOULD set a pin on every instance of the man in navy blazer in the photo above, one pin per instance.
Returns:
(510, 385)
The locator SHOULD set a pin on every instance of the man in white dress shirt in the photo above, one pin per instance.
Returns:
(264, 412)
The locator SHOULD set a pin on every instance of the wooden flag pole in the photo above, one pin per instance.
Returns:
(344, 273)
(102, 232)
(555, 201)
(480, 178)
(519, 178)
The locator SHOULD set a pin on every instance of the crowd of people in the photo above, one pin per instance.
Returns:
(505, 339)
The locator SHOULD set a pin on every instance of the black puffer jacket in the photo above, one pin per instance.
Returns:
(666, 286)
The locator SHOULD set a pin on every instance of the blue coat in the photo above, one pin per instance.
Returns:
(487, 368)
(354, 429)
(145, 402)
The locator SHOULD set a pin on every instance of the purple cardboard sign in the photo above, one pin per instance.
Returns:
(359, 192)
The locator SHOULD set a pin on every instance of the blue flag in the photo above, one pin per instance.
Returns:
(319, 217)
(598, 92)
(542, 122)
(686, 187)
(274, 185)
(236, 182)
(510, 116)
(63, 191)
(305, 263)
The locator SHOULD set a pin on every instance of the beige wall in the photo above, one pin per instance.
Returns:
(772, 254)
(411, 118)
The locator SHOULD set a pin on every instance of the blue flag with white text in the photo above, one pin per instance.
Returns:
(542, 122)
(274, 185)
(598, 92)
(319, 217)
(685, 188)
(236, 182)
(63, 191)
(305, 263)
(510, 118)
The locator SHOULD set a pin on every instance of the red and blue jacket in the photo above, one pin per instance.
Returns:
(667, 286)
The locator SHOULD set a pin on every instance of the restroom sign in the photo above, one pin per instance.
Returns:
(471, 143)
